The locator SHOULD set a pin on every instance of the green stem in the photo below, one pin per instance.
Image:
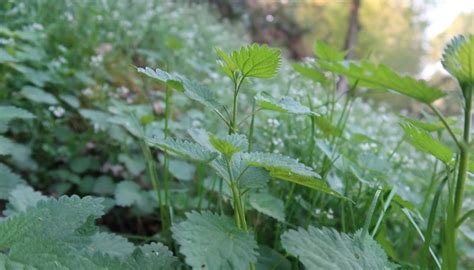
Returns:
(446, 125)
(464, 160)
(252, 123)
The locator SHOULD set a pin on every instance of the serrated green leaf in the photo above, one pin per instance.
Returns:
(427, 126)
(9, 181)
(258, 61)
(458, 58)
(38, 95)
(213, 242)
(21, 198)
(61, 234)
(284, 104)
(183, 149)
(277, 162)
(267, 204)
(328, 249)
(8, 113)
(111, 244)
(190, 88)
(383, 78)
(174, 81)
(325, 52)
(286, 168)
(310, 73)
(423, 141)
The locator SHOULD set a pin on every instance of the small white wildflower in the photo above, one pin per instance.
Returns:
(97, 60)
(69, 16)
(87, 92)
(37, 26)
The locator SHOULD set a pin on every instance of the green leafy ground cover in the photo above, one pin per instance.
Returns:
(152, 136)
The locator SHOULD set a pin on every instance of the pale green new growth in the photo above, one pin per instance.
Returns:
(423, 141)
(258, 61)
(284, 104)
(458, 58)
(383, 78)
(229, 144)
(330, 250)
(213, 242)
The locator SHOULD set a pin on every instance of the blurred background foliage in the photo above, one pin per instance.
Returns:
(390, 32)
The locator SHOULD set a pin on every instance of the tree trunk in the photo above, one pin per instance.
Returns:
(351, 39)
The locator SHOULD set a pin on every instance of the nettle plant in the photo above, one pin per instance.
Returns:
(458, 60)
(215, 241)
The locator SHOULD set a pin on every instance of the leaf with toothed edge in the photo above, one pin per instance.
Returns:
(210, 241)
(258, 61)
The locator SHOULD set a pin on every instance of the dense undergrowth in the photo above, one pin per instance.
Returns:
(189, 148)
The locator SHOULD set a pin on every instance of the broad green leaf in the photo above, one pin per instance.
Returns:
(286, 168)
(278, 163)
(310, 73)
(61, 234)
(191, 89)
(172, 80)
(325, 52)
(328, 249)
(270, 259)
(9, 181)
(71, 100)
(383, 78)
(213, 242)
(267, 204)
(423, 141)
(19, 152)
(110, 244)
(135, 164)
(183, 149)
(258, 61)
(127, 193)
(284, 104)
(38, 95)
(458, 58)
(8, 113)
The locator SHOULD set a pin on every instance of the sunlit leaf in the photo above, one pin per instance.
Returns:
(258, 61)
(423, 141)
(458, 58)
(383, 78)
